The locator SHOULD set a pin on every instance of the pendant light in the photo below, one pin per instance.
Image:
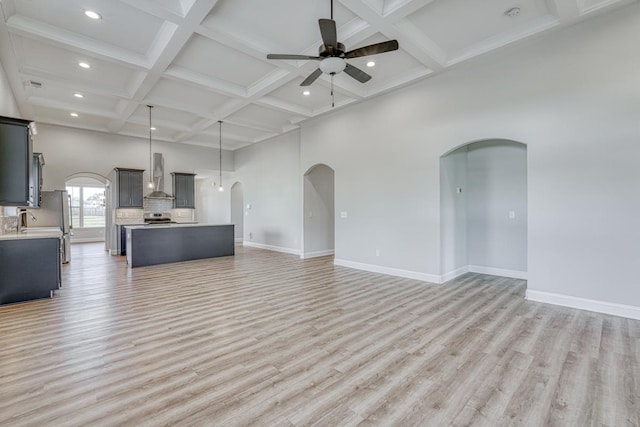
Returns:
(150, 184)
(221, 188)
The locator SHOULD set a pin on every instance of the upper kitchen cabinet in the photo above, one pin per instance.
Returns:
(16, 159)
(129, 187)
(183, 190)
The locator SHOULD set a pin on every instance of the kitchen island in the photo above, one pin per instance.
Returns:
(161, 244)
(30, 264)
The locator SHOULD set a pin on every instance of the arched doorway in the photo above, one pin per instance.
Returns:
(237, 210)
(319, 212)
(483, 209)
(87, 206)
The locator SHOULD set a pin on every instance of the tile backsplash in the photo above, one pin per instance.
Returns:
(157, 205)
(8, 220)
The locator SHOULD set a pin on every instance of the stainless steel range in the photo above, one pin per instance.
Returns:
(158, 218)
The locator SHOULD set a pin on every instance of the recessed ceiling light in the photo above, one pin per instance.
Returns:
(152, 128)
(73, 114)
(306, 93)
(78, 95)
(93, 15)
(371, 64)
(84, 65)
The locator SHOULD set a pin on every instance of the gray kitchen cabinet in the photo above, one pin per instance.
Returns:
(15, 162)
(183, 190)
(129, 187)
(30, 269)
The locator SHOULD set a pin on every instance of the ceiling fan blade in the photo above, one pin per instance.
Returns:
(373, 49)
(329, 34)
(312, 77)
(285, 56)
(357, 73)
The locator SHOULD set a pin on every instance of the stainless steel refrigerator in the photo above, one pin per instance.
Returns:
(54, 212)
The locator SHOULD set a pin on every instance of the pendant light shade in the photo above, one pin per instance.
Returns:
(150, 184)
(221, 188)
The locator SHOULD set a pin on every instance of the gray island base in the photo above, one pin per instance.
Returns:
(162, 244)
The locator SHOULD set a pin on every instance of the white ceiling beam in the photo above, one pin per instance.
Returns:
(428, 54)
(172, 46)
(568, 11)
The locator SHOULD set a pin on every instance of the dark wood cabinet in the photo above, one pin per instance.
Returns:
(129, 187)
(30, 269)
(183, 190)
(16, 159)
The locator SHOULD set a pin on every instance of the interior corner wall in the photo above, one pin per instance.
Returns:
(497, 187)
(453, 203)
(319, 210)
(272, 187)
(8, 105)
(567, 95)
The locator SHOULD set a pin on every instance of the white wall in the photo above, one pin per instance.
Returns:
(453, 205)
(272, 185)
(237, 209)
(571, 97)
(212, 205)
(497, 185)
(319, 211)
(8, 105)
(68, 151)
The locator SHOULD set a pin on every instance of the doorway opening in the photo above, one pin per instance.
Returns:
(483, 209)
(319, 212)
(88, 207)
(237, 210)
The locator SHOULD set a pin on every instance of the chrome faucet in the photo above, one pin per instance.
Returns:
(20, 213)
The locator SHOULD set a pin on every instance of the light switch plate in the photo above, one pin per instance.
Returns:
(344, 214)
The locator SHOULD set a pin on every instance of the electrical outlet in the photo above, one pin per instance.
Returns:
(377, 252)
(512, 214)
(344, 214)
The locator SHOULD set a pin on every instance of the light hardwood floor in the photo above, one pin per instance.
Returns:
(265, 338)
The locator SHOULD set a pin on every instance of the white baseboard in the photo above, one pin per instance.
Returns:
(316, 254)
(432, 278)
(88, 240)
(271, 248)
(453, 274)
(514, 274)
(239, 239)
(621, 310)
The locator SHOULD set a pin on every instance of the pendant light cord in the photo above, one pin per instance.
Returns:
(150, 156)
(332, 10)
(220, 151)
(333, 104)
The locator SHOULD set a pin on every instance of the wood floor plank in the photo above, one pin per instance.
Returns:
(264, 338)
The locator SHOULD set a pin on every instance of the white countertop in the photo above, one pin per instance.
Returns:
(33, 233)
(178, 225)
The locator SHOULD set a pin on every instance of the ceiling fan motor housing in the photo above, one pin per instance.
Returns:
(325, 51)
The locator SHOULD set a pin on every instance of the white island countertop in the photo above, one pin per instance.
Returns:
(177, 225)
(33, 233)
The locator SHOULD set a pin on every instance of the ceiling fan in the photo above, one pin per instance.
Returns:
(333, 55)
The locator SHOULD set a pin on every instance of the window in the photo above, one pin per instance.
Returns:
(87, 206)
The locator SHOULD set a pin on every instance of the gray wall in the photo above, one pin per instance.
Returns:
(272, 185)
(566, 96)
(237, 209)
(68, 151)
(319, 210)
(8, 105)
(497, 185)
(453, 205)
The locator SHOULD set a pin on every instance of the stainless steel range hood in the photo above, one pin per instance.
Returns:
(158, 195)
(158, 180)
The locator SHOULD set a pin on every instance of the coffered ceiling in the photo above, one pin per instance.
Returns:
(200, 61)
